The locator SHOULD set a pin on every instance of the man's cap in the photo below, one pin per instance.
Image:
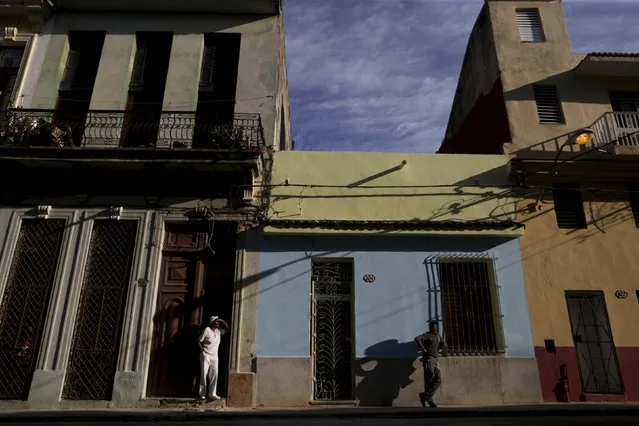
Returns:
(431, 323)
(212, 319)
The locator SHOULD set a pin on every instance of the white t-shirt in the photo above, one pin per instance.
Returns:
(210, 340)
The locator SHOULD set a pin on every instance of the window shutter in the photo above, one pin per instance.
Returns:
(569, 208)
(208, 66)
(6, 90)
(137, 75)
(529, 23)
(11, 57)
(548, 105)
(70, 69)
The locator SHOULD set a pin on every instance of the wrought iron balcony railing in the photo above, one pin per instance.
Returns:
(164, 130)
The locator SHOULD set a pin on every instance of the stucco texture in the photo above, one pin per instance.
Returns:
(378, 186)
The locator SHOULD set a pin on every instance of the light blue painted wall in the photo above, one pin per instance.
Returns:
(390, 312)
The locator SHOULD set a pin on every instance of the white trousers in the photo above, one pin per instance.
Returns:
(208, 375)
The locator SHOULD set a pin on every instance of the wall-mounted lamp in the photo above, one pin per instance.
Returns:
(581, 137)
(43, 211)
(114, 212)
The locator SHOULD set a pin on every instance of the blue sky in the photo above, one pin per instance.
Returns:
(379, 75)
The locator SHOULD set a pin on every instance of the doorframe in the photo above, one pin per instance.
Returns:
(600, 293)
(351, 261)
(157, 240)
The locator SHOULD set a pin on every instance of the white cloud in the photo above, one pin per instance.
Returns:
(380, 75)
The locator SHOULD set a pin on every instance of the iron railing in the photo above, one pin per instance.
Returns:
(169, 130)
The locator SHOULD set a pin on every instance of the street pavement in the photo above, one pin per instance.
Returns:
(539, 414)
(470, 421)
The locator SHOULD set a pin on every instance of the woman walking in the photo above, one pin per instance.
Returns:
(209, 343)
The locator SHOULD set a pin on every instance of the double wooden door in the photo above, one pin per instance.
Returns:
(196, 281)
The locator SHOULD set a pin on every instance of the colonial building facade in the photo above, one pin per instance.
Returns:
(569, 121)
(135, 139)
(354, 264)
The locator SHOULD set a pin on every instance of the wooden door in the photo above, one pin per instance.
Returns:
(175, 357)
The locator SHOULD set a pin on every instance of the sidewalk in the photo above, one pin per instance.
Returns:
(555, 410)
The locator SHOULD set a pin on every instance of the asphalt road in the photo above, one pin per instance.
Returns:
(480, 421)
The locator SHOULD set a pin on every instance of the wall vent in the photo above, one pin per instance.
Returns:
(548, 105)
(529, 23)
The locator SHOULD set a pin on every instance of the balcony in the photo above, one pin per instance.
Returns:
(615, 133)
(125, 134)
(610, 157)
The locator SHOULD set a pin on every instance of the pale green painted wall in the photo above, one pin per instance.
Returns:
(259, 89)
(351, 172)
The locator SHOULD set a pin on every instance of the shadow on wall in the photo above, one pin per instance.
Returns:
(384, 371)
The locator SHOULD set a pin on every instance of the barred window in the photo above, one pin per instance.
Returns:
(472, 323)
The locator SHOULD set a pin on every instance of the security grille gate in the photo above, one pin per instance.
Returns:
(332, 282)
(25, 303)
(98, 325)
(596, 353)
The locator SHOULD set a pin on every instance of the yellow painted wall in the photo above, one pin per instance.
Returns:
(556, 260)
(367, 186)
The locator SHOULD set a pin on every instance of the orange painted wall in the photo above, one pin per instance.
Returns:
(604, 257)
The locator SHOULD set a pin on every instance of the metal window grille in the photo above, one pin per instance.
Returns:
(569, 208)
(332, 282)
(96, 340)
(529, 23)
(25, 303)
(470, 306)
(548, 105)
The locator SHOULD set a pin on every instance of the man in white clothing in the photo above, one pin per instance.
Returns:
(209, 343)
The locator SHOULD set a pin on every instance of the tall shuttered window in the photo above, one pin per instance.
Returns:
(529, 23)
(548, 104)
(10, 58)
(569, 208)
